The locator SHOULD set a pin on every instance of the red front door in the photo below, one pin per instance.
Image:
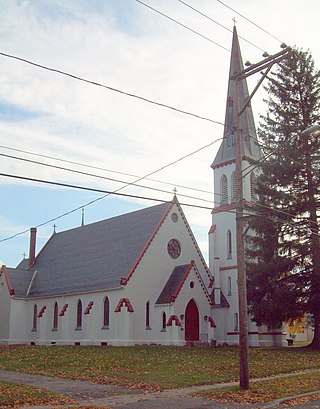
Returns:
(192, 322)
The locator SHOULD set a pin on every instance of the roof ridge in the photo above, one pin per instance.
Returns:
(125, 280)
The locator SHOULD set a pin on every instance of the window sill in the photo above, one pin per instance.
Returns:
(148, 328)
(54, 329)
(105, 327)
(78, 329)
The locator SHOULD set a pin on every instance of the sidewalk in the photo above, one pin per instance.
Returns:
(112, 396)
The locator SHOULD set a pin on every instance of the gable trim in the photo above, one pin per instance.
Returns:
(173, 318)
(64, 309)
(231, 206)
(231, 161)
(124, 280)
(126, 302)
(225, 208)
(42, 311)
(226, 163)
(36, 257)
(225, 268)
(212, 323)
(204, 288)
(210, 276)
(8, 281)
(213, 228)
(174, 296)
(89, 307)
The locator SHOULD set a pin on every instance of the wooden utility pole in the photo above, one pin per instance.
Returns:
(266, 64)
(242, 284)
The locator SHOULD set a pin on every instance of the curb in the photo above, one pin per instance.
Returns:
(278, 402)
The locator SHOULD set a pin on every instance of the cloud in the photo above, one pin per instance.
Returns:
(126, 46)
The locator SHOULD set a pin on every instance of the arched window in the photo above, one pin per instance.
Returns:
(224, 189)
(106, 313)
(79, 315)
(55, 316)
(233, 187)
(35, 317)
(164, 321)
(148, 315)
(229, 244)
(253, 182)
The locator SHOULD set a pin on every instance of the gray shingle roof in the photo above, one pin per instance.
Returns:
(173, 284)
(20, 280)
(95, 256)
(23, 265)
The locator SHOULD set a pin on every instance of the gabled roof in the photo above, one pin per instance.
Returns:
(23, 265)
(235, 101)
(20, 281)
(223, 301)
(175, 282)
(91, 257)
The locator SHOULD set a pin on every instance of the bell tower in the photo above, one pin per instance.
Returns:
(222, 234)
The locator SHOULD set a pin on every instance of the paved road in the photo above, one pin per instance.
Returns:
(115, 397)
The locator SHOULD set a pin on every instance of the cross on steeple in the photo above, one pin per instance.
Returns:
(54, 228)
(234, 21)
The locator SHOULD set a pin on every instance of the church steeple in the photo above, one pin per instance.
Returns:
(235, 101)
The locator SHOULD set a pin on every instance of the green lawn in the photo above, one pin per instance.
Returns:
(153, 367)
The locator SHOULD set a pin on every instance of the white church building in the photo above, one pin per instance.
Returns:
(140, 278)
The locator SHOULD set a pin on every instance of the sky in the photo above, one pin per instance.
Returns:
(55, 119)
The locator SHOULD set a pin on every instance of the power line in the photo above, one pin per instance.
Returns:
(108, 170)
(183, 25)
(128, 184)
(108, 193)
(117, 194)
(98, 84)
(250, 21)
(98, 176)
(263, 158)
(91, 189)
(219, 24)
(138, 185)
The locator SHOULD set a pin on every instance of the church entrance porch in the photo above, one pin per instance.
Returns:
(191, 322)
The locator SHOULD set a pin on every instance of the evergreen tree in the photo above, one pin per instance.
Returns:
(284, 251)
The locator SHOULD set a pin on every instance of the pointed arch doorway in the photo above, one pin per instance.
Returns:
(192, 322)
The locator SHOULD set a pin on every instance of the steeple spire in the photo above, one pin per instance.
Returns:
(235, 101)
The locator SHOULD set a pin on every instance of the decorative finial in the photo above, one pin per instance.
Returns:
(82, 217)
(54, 228)
(234, 21)
(175, 191)
(24, 256)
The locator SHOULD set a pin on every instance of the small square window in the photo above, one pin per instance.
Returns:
(236, 322)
